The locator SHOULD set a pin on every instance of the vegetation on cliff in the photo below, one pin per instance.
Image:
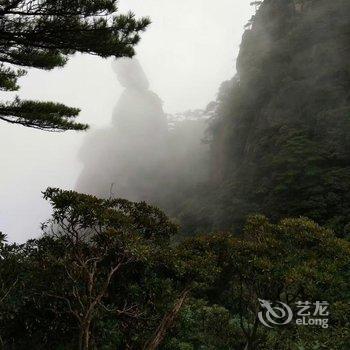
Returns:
(280, 137)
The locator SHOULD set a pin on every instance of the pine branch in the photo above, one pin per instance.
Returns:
(47, 116)
(43, 34)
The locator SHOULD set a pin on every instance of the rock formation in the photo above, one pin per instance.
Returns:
(123, 160)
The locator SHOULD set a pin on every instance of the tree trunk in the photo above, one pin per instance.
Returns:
(167, 322)
(251, 339)
(84, 337)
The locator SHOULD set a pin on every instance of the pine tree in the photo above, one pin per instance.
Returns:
(43, 34)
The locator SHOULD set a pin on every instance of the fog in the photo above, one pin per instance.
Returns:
(186, 53)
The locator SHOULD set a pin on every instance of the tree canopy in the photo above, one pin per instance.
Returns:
(105, 275)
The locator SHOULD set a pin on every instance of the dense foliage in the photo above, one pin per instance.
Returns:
(294, 260)
(42, 34)
(102, 276)
(105, 275)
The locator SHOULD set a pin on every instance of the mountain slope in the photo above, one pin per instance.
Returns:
(281, 135)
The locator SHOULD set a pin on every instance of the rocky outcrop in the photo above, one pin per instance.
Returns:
(282, 126)
(124, 159)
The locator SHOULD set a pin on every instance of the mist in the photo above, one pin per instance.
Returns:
(187, 52)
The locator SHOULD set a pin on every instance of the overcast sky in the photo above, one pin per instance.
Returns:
(190, 48)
